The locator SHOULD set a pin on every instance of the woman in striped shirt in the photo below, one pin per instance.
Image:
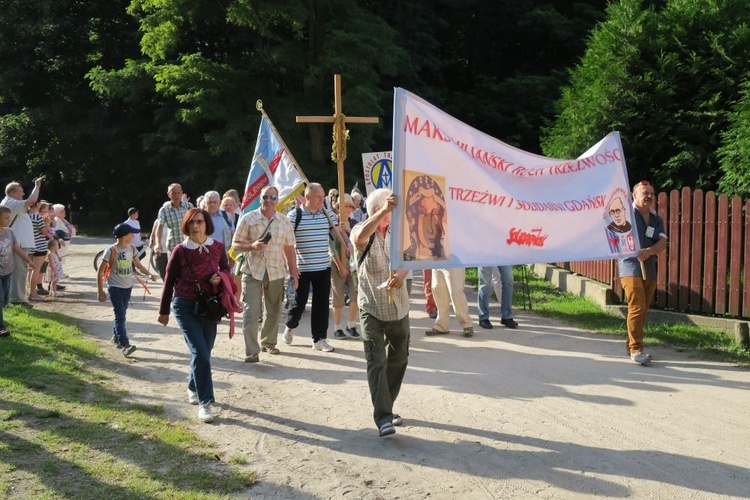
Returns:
(37, 213)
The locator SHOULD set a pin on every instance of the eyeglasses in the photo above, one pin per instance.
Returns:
(267, 197)
(616, 211)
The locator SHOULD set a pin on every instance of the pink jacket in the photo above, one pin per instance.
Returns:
(228, 299)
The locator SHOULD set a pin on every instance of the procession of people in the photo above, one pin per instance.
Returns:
(216, 263)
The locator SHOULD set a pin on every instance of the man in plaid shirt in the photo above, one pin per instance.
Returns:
(171, 215)
(383, 310)
(267, 238)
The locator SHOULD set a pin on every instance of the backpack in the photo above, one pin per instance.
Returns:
(111, 262)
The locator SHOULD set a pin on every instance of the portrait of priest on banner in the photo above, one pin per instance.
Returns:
(619, 230)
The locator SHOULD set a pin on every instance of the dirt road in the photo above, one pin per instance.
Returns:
(545, 411)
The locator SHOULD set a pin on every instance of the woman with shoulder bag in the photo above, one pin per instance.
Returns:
(193, 278)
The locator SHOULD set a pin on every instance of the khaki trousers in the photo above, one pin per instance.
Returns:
(447, 288)
(640, 294)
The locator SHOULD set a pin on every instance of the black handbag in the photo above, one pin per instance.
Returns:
(207, 305)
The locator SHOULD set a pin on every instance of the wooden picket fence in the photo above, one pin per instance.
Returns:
(706, 267)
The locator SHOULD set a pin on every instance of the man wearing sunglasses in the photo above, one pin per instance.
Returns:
(267, 238)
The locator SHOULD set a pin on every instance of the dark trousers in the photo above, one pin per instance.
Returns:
(385, 370)
(161, 264)
(321, 287)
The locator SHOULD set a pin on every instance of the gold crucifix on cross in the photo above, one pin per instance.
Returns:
(340, 136)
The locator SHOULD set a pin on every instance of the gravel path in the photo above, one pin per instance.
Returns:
(545, 411)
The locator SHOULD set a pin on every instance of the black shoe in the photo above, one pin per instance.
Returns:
(22, 304)
(352, 333)
(41, 291)
(60, 288)
(510, 323)
(433, 314)
(339, 335)
(485, 323)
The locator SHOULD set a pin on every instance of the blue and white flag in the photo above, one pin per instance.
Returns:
(272, 164)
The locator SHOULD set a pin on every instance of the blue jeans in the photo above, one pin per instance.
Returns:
(485, 285)
(120, 297)
(4, 296)
(200, 335)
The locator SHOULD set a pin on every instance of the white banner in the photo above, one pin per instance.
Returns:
(467, 199)
(378, 169)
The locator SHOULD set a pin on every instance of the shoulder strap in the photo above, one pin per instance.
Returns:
(110, 262)
(364, 252)
(226, 218)
(298, 211)
(14, 220)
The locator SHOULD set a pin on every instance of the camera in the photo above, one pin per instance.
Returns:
(266, 238)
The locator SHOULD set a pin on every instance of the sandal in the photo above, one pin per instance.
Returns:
(386, 429)
(432, 332)
(4, 332)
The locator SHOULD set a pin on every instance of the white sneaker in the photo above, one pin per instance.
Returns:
(288, 335)
(205, 414)
(192, 397)
(640, 357)
(322, 345)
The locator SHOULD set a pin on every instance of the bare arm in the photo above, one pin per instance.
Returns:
(291, 262)
(23, 254)
(34, 193)
(654, 249)
(101, 294)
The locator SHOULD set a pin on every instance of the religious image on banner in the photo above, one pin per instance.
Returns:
(378, 168)
(469, 199)
(427, 217)
(619, 230)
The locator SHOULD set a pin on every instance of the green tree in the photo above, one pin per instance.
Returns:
(50, 120)
(209, 66)
(735, 152)
(665, 77)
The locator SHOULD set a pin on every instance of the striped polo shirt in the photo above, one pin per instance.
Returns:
(312, 239)
(40, 241)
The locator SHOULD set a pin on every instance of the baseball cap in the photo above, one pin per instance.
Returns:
(124, 230)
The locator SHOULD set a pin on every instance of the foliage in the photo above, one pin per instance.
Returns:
(735, 152)
(666, 76)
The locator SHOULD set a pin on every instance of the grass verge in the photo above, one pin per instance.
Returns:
(551, 302)
(67, 430)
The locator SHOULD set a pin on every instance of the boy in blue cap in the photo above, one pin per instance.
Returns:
(116, 268)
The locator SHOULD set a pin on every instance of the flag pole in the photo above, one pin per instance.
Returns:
(259, 107)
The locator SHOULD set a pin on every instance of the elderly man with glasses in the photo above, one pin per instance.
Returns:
(638, 274)
(267, 239)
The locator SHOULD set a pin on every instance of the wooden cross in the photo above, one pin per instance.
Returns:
(339, 121)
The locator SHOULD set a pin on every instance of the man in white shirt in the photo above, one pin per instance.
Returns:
(24, 231)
